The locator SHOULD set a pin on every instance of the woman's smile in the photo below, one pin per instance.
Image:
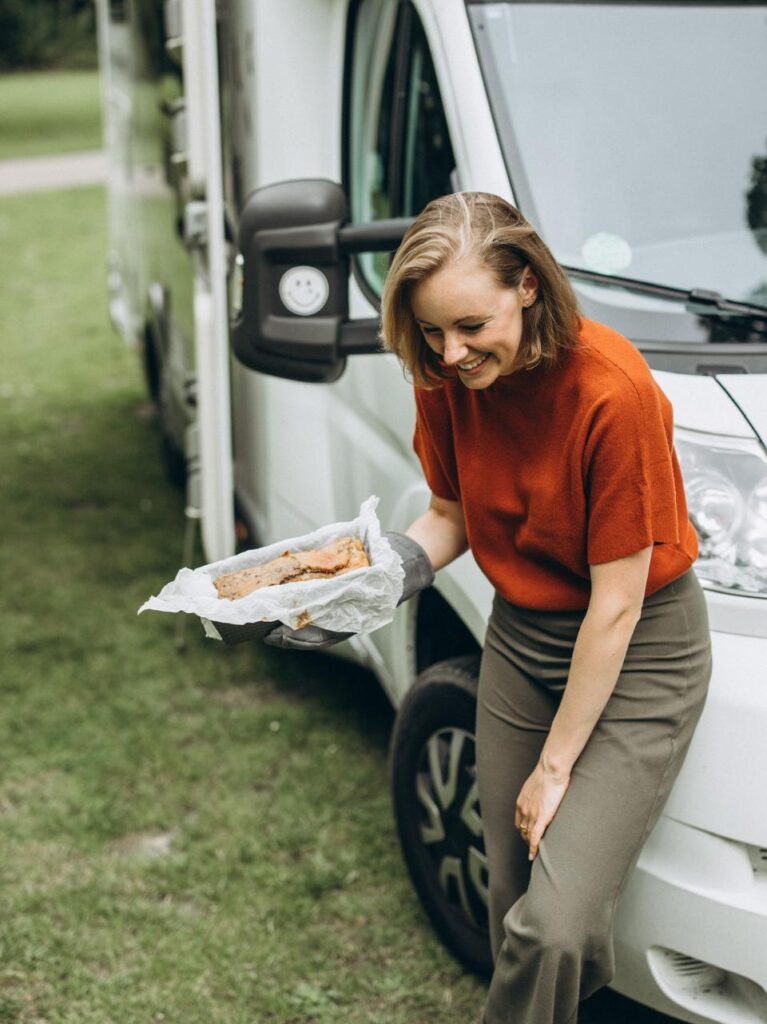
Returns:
(463, 302)
(473, 365)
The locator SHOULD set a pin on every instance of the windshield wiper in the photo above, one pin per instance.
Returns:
(699, 301)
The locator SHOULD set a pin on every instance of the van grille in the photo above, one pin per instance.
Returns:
(708, 991)
(686, 964)
(692, 973)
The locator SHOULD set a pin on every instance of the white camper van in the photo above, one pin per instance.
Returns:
(265, 158)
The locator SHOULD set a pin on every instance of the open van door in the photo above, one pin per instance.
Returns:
(191, 29)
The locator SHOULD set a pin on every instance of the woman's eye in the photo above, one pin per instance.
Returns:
(469, 328)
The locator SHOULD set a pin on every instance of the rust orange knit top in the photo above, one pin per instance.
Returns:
(558, 469)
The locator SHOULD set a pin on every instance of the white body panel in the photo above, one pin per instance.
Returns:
(696, 893)
(701, 404)
(211, 325)
(728, 754)
(749, 392)
(119, 143)
(307, 454)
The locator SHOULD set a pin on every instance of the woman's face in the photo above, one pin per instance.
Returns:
(471, 321)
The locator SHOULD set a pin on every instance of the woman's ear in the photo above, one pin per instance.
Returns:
(528, 287)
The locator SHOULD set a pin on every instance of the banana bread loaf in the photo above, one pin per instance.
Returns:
(334, 559)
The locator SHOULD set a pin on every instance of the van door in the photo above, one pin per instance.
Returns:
(400, 156)
(204, 233)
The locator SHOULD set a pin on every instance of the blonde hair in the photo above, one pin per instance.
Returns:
(488, 227)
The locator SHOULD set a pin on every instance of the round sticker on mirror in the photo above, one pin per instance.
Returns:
(304, 290)
(606, 253)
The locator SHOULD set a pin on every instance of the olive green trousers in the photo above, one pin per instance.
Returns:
(551, 920)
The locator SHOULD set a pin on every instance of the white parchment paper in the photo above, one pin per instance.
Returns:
(357, 602)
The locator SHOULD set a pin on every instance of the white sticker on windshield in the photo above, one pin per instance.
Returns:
(606, 253)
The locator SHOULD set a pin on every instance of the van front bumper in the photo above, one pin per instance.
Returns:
(691, 926)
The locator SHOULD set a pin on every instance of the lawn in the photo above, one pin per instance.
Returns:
(44, 112)
(200, 837)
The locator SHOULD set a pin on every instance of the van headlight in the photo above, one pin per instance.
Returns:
(725, 482)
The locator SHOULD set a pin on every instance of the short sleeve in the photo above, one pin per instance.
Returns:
(629, 473)
(433, 444)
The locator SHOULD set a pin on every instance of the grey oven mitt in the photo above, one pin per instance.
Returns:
(418, 575)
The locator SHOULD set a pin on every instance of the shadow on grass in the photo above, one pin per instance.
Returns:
(336, 688)
(282, 895)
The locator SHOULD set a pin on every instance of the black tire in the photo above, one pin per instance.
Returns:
(436, 807)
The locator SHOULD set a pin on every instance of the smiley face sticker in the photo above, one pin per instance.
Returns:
(304, 290)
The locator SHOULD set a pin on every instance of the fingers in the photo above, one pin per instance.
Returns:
(536, 806)
(532, 833)
(241, 634)
(310, 638)
(523, 824)
(285, 638)
(530, 827)
(534, 838)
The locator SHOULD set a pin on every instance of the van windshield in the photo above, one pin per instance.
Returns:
(636, 135)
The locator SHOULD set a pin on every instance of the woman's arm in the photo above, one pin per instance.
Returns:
(440, 531)
(617, 594)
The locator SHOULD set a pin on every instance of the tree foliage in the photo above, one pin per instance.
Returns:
(47, 33)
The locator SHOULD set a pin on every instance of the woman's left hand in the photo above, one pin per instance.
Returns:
(537, 804)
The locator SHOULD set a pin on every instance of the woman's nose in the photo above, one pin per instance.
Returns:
(455, 349)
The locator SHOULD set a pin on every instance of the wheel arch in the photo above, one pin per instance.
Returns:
(440, 631)
(436, 810)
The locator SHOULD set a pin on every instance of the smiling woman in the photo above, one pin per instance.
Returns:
(548, 448)
(482, 343)
(476, 281)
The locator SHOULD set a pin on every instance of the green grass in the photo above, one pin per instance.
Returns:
(185, 838)
(47, 112)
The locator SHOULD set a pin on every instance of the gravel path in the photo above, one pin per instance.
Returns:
(71, 170)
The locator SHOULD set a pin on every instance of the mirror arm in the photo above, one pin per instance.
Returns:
(296, 244)
(359, 337)
(376, 236)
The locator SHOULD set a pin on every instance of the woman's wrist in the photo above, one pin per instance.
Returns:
(557, 768)
(440, 536)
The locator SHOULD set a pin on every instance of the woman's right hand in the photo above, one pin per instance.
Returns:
(419, 574)
(431, 542)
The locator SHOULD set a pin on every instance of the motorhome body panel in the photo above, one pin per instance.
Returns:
(308, 454)
(291, 123)
(117, 61)
(748, 392)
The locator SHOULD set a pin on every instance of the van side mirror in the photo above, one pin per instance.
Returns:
(296, 246)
